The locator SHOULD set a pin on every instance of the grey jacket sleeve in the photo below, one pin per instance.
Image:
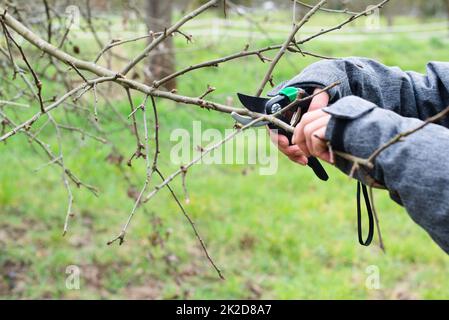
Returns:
(415, 171)
(374, 103)
(409, 94)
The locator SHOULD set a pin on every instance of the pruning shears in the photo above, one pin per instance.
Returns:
(274, 105)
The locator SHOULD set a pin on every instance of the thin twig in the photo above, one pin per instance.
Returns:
(192, 224)
(376, 219)
(286, 44)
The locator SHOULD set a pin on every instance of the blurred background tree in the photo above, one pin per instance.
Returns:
(162, 60)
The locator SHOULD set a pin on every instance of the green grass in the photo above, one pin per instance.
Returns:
(285, 236)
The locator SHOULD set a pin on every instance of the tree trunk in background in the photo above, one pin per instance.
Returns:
(300, 12)
(162, 59)
(390, 18)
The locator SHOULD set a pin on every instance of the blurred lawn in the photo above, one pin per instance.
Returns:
(285, 236)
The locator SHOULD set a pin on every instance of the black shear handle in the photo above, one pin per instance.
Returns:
(313, 163)
(318, 168)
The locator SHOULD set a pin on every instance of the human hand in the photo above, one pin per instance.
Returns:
(294, 152)
(309, 135)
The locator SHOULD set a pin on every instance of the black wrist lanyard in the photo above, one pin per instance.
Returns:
(369, 238)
